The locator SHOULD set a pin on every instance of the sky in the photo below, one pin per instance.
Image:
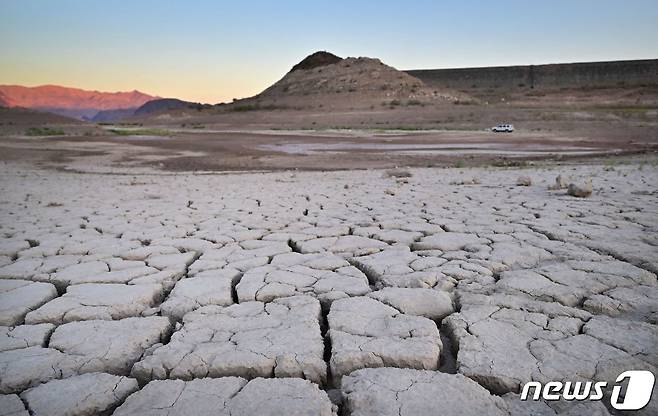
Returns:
(214, 51)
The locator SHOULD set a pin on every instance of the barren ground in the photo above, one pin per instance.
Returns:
(221, 264)
(111, 284)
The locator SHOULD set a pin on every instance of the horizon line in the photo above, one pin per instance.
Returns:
(403, 70)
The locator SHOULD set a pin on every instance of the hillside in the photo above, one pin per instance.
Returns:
(17, 120)
(608, 83)
(71, 102)
(324, 80)
(147, 109)
(571, 75)
(109, 116)
(165, 104)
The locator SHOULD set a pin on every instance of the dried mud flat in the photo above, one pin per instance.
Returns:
(275, 150)
(315, 293)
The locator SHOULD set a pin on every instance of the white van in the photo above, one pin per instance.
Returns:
(503, 128)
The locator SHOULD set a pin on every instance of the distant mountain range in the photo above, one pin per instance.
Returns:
(88, 105)
(70, 102)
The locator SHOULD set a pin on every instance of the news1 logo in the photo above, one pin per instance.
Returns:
(637, 396)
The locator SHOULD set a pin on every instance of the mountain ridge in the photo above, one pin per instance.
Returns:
(72, 102)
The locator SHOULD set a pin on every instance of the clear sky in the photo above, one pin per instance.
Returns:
(214, 51)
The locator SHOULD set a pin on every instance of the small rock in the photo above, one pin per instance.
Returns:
(524, 181)
(397, 173)
(560, 183)
(472, 181)
(580, 191)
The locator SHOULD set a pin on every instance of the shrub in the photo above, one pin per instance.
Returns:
(43, 131)
(245, 107)
(140, 132)
(255, 107)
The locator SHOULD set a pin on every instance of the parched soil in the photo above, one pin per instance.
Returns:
(321, 293)
(190, 150)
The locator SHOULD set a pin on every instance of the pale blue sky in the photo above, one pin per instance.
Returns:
(216, 50)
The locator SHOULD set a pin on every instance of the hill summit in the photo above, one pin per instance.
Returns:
(317, 59)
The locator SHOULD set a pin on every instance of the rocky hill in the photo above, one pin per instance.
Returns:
(324, 80)
(164, 104)
(147, 109)
(109, 116)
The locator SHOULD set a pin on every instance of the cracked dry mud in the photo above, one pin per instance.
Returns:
(345, 293)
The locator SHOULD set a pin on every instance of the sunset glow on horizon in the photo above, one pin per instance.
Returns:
(215, 51)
